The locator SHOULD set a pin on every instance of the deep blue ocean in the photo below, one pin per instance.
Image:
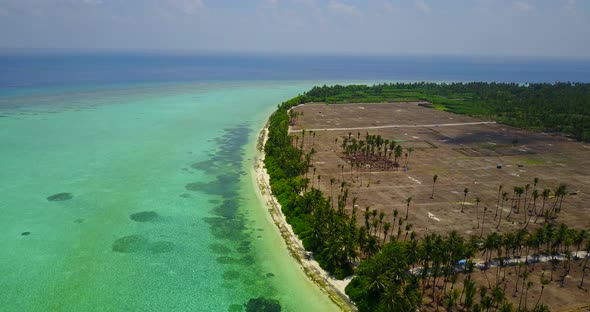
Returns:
(75, 70)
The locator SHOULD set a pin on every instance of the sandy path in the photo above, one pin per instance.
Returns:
(332, 287)
(399, 126)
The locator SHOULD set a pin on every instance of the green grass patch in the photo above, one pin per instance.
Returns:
(534, 162)
(440, 107)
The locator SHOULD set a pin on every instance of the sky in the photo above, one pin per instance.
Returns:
(541, 28)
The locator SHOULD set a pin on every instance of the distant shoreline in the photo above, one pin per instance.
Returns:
(332, 287)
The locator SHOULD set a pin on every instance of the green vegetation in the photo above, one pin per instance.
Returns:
(331, 234)
(560, 107)
(437, 270)
(404, 272)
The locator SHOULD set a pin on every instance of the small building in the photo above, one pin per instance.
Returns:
(499, 166)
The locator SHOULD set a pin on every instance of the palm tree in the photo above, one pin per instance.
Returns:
(504, 199)
(534, 196)
(519, 192)
(526, 192)
(477, 201)
(410, 150)
(434, 178)
(579, 238)
(545, 195)
(584, 263)
(498, 201)
(397, 153)
(513, 206)
(498, 296)
(302, 138)
(381, 216)
(529, 284)
(408, 200)
(332, 181)
(544, 282)
(395, 214)
(465, 191)
(485, 209)
(524, 275)
(386, 228)
(408, 229)
(561, 192)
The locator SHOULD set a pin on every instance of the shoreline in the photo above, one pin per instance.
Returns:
(330, 286)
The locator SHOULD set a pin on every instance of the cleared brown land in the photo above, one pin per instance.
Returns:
(463, 156)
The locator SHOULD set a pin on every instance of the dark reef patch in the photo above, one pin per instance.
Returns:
(223, 169)
(25, 233)
(225, 260)
(221, 186)
(228, 208)
(185, 195)
(130, 244)
(144, 216)
(195, 187)
(224, 228)
(262, 304)
(231, 275)
(243, 249)
(247, 260)
(161, 247)
(60, 197)
(270, 275)
(235, 308)
(229, 285)
(202, 165)
(79, 221)
(219, 249)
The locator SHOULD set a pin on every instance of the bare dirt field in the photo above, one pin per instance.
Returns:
(464, 152)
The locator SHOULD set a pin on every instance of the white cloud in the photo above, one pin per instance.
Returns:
(267, 4)
(523, 6)
(570, 5)
(388, 6)
(188, 6)
(343, 8)
(92, 2)
(422, 6)
(306, 2)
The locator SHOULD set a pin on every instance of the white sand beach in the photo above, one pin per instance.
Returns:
(332, 287)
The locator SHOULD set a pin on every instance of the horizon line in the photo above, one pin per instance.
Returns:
(185, 52)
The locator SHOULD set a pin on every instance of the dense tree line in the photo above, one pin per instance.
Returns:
(560, 107)
(407, 274)
(329, 232)
(404, 272)
(326, 228)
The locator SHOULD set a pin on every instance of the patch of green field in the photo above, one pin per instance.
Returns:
(534, 161)
(439, 107)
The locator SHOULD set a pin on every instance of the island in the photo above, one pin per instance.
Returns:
(430, 196)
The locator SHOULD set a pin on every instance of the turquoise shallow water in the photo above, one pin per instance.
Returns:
(163, 213)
